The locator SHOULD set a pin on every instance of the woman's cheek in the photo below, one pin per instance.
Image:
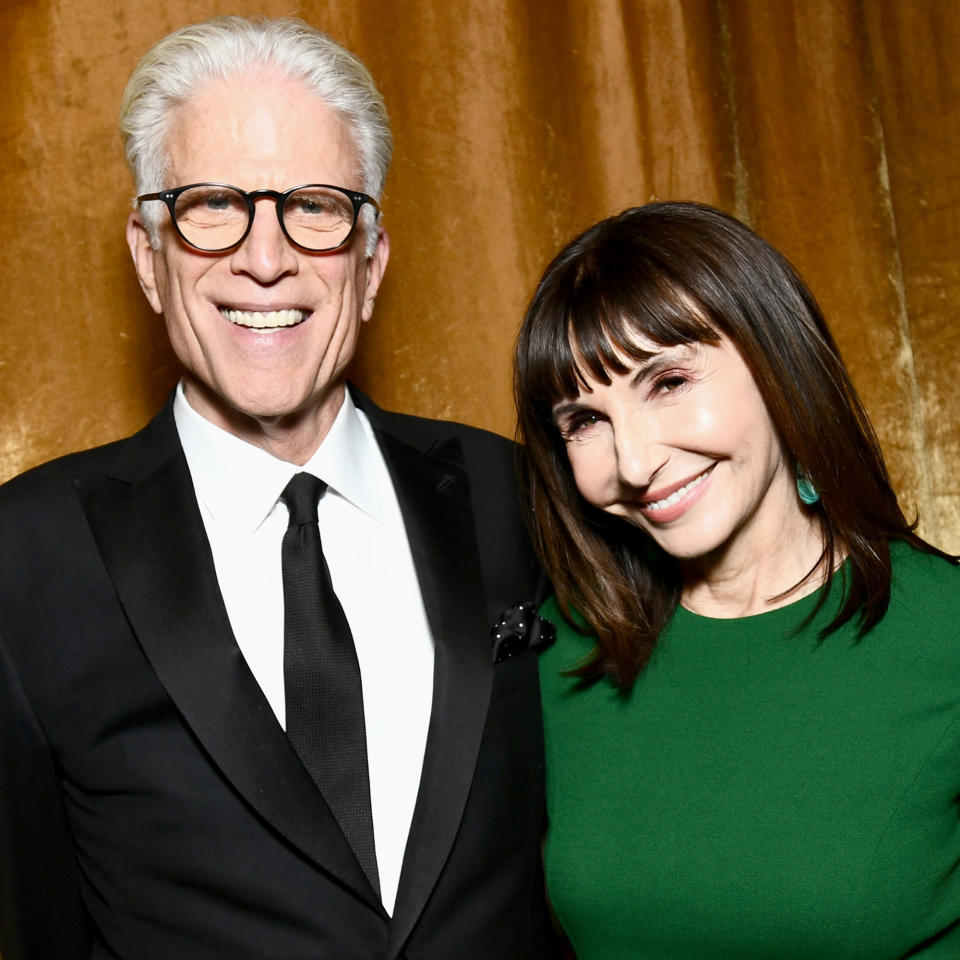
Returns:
(593, 467)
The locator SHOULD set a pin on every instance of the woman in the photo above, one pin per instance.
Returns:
(752, 709)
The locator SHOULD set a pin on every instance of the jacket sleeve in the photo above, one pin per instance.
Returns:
(41, 914)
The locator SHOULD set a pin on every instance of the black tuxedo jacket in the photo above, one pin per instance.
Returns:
(150, 804)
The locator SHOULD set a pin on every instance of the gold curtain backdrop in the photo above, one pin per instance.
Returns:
(831, 126)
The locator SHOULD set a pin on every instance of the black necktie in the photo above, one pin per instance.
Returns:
(321, 676)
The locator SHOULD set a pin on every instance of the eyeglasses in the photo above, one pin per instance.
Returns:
(216, 217)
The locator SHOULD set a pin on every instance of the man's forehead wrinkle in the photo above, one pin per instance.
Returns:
(245, 137)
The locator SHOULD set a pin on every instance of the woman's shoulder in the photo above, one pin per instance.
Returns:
(574, 639)
(917, 569)
(572, 622)
(924, 588)
(550, 610)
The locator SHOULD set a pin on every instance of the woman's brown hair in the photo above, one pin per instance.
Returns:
(680, 273)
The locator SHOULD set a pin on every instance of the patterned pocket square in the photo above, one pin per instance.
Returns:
(518, 629)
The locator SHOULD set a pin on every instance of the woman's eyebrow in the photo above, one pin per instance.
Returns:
(662, 358)
(649, 364)
(570, 406)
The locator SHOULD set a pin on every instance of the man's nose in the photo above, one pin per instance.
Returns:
(266, 254)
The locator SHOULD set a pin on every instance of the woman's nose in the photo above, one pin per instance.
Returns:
(640, 455)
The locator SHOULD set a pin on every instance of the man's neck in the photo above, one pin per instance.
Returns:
(293, 437)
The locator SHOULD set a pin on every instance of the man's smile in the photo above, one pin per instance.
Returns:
(265, 319)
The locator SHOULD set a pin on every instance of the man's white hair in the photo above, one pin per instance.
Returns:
(180, 64)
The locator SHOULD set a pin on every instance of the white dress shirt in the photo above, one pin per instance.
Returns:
(238, 487)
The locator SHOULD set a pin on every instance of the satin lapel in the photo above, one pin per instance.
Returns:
(148, 527)
(434, 497)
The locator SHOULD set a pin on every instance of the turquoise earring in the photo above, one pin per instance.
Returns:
(805, 488)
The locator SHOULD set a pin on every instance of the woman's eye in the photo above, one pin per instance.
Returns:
(579, 424)
(670, 383)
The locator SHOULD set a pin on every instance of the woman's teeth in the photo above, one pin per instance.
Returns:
(676, 495)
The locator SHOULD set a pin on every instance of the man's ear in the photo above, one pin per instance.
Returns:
(376, 265)
(138, 240)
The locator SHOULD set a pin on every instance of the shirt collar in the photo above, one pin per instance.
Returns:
(350, 461)
(239, 483)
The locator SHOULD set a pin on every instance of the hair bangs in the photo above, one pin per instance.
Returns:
(609, 325)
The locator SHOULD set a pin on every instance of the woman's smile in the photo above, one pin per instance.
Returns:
(665, 505)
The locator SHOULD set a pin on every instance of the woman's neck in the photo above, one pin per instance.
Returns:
(758, 570)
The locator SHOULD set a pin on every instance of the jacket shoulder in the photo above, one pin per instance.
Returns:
(425, 432)
(45, 483)
(46, 476)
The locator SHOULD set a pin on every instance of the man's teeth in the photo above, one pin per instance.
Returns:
(265, 321)
(676, 495)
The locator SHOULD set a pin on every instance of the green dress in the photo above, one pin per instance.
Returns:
(760, 794)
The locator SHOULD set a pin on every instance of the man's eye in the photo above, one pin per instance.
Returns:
(318, 205)
(220, 201)
(195, 202)
(313, 205)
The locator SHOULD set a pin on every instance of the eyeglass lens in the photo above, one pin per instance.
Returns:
(216, 217)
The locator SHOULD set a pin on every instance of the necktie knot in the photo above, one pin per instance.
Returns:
(301, 495)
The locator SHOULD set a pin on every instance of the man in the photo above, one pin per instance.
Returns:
(200, 756)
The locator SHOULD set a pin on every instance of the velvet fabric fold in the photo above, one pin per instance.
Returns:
(831, 128)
